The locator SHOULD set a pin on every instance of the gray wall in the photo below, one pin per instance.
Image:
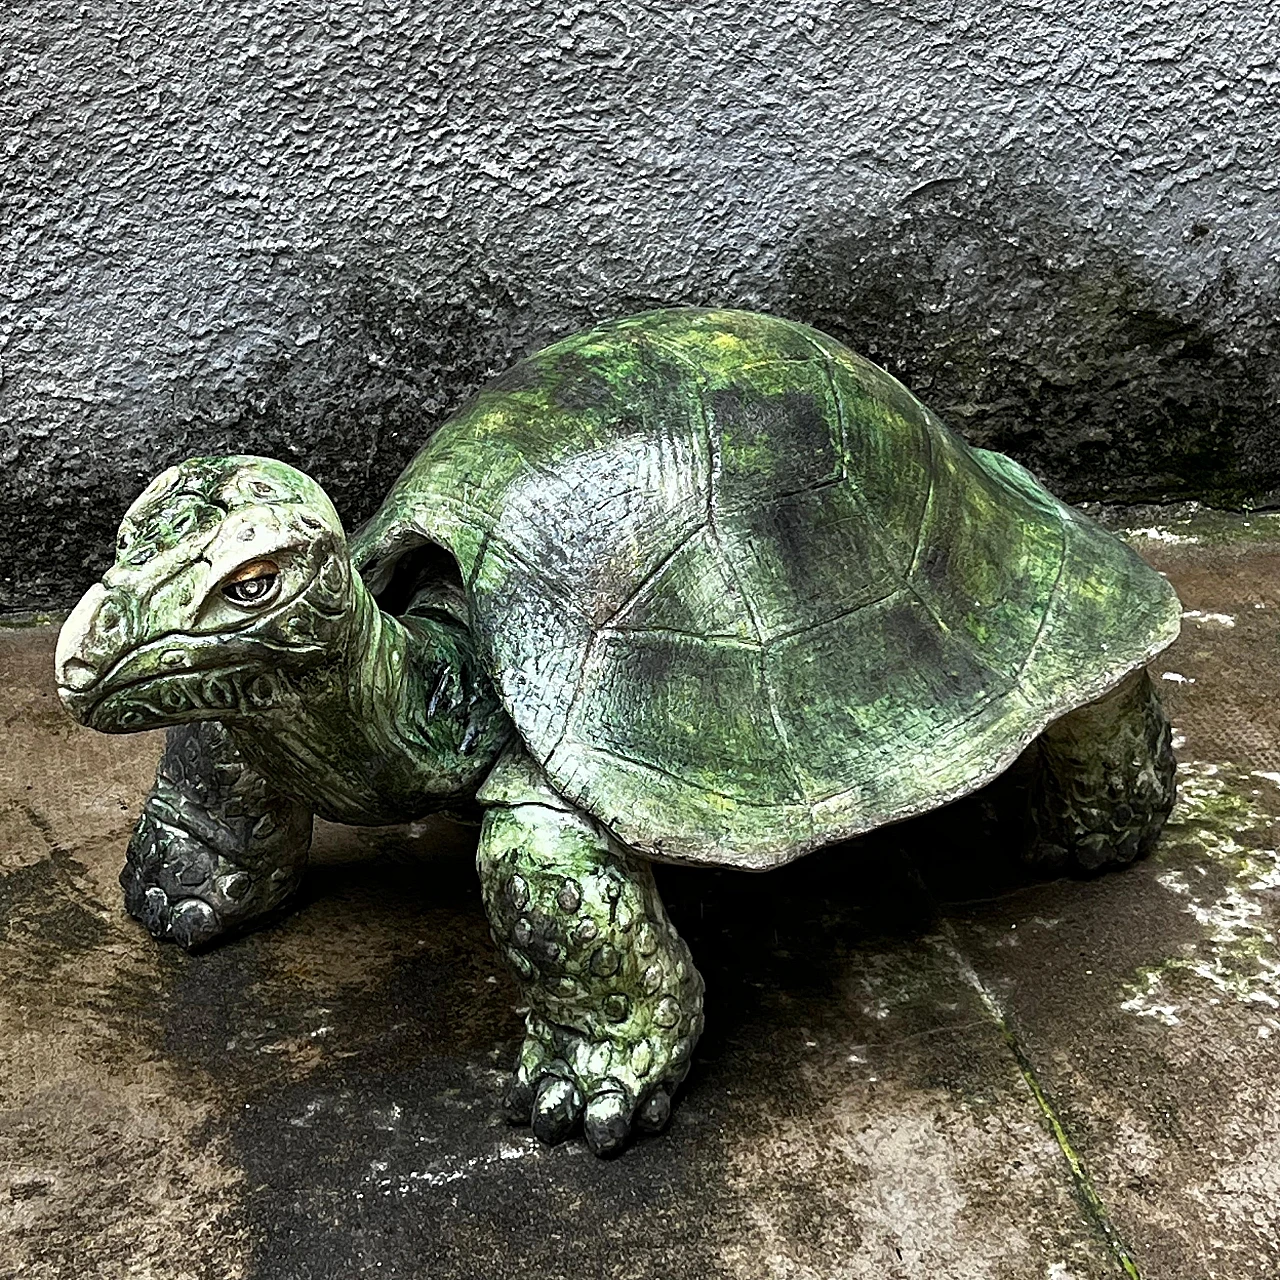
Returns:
(311, 229)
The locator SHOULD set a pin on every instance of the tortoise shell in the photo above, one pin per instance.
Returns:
(743, 595)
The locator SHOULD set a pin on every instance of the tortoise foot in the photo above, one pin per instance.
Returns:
(610, 1087)
(184, 891)
(216, 847)
(614, 1000)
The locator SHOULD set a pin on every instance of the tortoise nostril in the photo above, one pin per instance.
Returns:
(109, 618)
(107, 632)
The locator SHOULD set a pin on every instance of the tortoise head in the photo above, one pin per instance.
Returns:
(231, 579)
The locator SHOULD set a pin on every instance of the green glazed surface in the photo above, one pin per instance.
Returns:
(742, 595)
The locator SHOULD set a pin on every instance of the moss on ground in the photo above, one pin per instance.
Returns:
(1218, 857)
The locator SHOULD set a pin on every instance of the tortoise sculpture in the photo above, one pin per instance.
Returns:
(698, 586)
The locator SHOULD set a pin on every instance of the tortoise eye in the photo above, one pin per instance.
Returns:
(254, 585)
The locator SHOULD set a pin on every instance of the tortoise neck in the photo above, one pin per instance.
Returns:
(403, 722)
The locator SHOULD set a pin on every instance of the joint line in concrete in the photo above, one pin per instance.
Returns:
(1086, 1193)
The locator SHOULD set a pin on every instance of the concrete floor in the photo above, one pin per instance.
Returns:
(917, 1062)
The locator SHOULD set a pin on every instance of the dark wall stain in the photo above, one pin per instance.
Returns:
(1030, 333)
(387, 364)
(314, 233)
(1015, 320)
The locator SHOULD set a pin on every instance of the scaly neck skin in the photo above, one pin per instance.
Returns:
(403, 722)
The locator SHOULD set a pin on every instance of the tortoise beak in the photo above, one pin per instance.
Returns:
(101, 627)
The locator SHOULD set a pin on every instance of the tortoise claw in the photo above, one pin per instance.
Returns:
(607, 1123)
(194, 923)
(556, 1110)
(190, 922)
(652, 1116)
(517, 1104)
(548, 1094)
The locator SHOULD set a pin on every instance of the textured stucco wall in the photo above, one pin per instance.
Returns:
(311, 229)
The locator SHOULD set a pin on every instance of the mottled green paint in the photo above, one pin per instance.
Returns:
(615, 1002)
(907, 613)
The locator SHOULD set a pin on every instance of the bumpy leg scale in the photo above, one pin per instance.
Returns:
(614, 1001)
(1106, 780)
(216, 846)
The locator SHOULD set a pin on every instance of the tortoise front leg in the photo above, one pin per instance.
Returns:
(216, 845)
(1106, 780)
(614, 1001)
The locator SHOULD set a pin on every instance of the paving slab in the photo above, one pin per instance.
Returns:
(918, 1061)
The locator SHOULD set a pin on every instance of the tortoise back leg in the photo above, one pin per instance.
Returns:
(614, 1001)
(216, 845)
(1105, 782)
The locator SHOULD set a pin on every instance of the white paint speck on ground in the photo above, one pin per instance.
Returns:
(1164, 535)
(1176, 677)
(452, 1170)
(1215, 619)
